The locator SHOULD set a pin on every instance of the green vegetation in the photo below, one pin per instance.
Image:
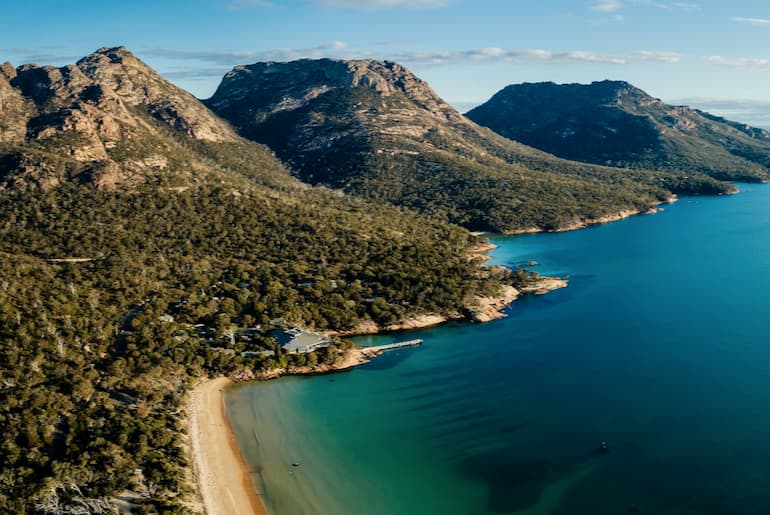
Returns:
(140, 237)
(94, 377)
(393, 139)
(179, 241)
(613, 123)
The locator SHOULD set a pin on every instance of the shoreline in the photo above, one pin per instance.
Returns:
(353, 358)
(478, 310)
(221, 474)
(606, 219)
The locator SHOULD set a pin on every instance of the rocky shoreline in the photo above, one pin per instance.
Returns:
(352, 358)
(582, 224)
(479, 309)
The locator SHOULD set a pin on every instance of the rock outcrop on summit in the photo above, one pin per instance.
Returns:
(104, 120)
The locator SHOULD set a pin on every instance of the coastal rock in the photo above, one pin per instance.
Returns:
(486, 309)
(421, 321)
(543, 285)
(351, 358)
(478, 309)
(586, 222)
(417, 322)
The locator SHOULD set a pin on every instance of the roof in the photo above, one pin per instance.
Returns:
(304, 341)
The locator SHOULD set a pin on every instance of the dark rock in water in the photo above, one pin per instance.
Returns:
(296, 464)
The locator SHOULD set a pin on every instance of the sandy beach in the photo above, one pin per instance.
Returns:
(222, 475)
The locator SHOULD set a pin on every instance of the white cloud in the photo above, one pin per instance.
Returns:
(615, 6)
(683, 6)
(757, 22)
(606, 6)
(669, 6)
(338, 49)
(208, 61)
(742, 63)
(486, 55)
(42, 55)
(657, 56)
(385, 4)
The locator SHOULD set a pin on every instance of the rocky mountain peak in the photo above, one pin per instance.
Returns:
(100, 114)
(383, 77)
(279, 87)
(7, 71)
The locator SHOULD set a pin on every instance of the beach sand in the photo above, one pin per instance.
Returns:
(222, 475)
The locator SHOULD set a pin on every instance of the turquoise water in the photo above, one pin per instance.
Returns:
(660, 347)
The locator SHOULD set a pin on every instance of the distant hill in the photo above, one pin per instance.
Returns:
(614, 123)
(375, 129)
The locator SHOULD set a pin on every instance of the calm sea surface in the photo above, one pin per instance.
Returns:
(660, 347)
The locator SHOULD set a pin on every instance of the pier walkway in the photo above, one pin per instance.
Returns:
(390, 346)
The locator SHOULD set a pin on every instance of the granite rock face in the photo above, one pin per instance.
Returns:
(136, 84)
(270, 88)
(102, 120)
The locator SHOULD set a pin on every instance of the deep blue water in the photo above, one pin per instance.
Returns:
(660, 346)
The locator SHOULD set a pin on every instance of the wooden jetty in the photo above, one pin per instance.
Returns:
(390, 346)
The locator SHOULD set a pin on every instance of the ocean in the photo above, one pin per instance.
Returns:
(660, 347)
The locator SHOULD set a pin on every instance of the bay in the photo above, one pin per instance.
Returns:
(660, 346)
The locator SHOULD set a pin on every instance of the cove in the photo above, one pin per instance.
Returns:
(660, 346)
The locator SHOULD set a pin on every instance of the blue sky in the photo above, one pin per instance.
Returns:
(713, 54)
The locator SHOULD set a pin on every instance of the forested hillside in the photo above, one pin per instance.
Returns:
(138, 234)
(376, 130)
(614, 123)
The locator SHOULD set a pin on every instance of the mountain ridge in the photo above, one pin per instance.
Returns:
(615, 123)
(109, 120)
(374, 129)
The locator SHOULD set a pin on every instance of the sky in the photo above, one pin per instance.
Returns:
(706, 53)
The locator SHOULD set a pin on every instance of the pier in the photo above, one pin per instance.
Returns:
(391, 346)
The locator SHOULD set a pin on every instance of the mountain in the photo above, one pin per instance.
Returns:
(133, 217)
(614, 123)
(110, 120)
(374, 129)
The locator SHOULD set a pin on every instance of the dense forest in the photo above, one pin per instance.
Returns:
(98, 351)
(143, 245)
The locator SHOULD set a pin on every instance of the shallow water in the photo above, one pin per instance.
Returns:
(660, 346)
